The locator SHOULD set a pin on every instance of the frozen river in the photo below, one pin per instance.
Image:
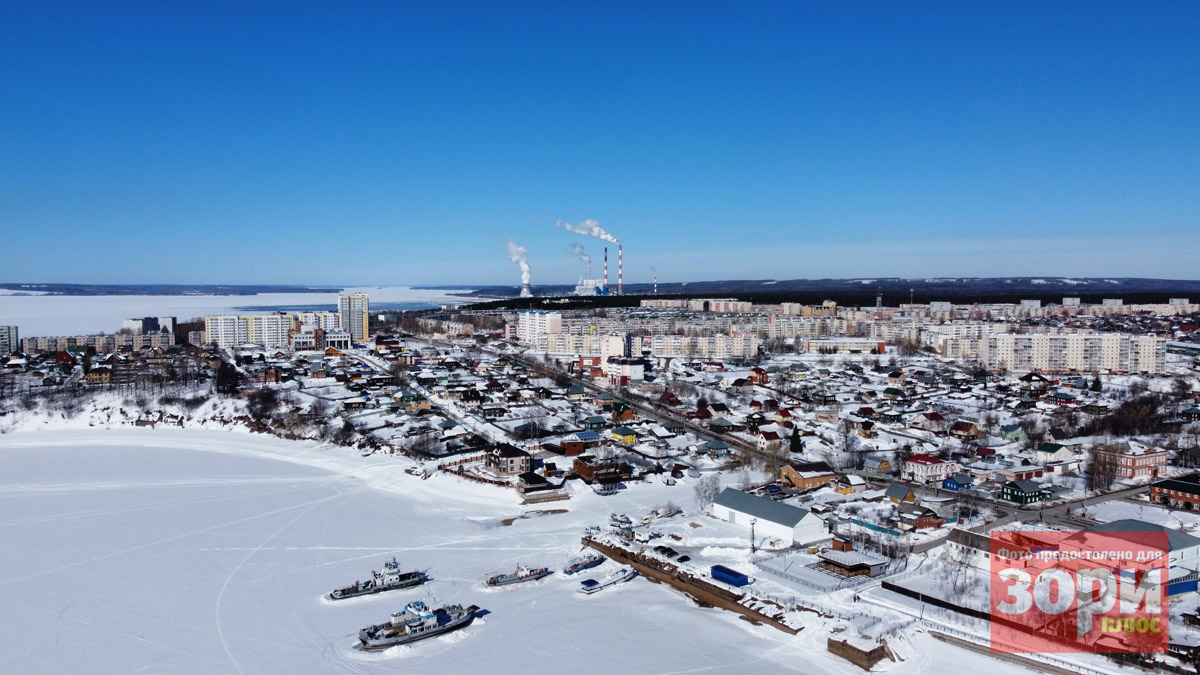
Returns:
(47, 315)
(133, 551)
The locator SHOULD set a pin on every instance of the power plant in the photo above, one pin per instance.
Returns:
(587, 285)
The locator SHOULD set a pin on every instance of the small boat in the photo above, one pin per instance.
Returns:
(585, 563)
(416, 622)
(589, 586)
(521, 575)
(621, 519)
(391, 578)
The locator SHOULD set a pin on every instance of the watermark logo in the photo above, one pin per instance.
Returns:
(1079, 592)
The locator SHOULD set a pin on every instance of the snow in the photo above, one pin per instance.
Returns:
(49, 315)
(183, 551)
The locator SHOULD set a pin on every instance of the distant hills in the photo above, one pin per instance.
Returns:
(162, 289)
(861, 291)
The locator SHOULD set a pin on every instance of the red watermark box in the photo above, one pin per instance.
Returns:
(1076, 591)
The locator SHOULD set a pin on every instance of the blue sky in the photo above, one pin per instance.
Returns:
(381, 143)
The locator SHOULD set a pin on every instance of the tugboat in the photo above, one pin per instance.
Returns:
(522, 575)
(589, 586)
(587, 562)
(389, 579)
(416, 622)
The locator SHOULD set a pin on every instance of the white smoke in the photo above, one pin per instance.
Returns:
(587, 259)
(518, 254)
(588, 227)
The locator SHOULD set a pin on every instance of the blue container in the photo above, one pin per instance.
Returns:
(731, 577)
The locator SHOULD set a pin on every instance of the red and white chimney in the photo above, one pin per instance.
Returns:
(620, 269)
(606, 270)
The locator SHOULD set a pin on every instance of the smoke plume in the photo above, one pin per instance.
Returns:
(518, 254)
(587, 259)
(588, 227)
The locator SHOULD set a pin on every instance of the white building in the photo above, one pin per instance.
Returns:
(229, 330)
(353, 312)
(533, 325)
(926, 469)
(1080, 352)
(9, 340)
(784, 522)
(321, 320)
(225, 330)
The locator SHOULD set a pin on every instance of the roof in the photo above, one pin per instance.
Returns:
(961, 478)
(1188, 484)
(924, 459)
(760, 507)
(1176, 539)
(897, 491)
(852, 558)
(1026, 486)
(979, 542)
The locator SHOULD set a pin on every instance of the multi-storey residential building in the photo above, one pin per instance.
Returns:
(225, 330)
(320, 320)
(9, 339)
(269, 330)
(353, 311)
(1078, 352)
(531, 326)
(101, 343)
(149, 324)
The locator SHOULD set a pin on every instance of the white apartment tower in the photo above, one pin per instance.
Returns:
(533, 325)
(353, 310)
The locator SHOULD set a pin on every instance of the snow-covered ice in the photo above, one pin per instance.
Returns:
(47, 315)
(191, 551)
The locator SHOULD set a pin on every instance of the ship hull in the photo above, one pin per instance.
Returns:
(407, 581)
(385, 636)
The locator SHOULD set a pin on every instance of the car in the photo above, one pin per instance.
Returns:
(670, 553)
(684, 558)
(774, 489)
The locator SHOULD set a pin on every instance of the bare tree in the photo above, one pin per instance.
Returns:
(707, 489)
(1102, 469)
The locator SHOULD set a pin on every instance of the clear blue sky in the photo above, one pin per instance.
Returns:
(400, 143)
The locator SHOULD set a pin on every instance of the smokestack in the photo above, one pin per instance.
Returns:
(525, 292)
(656, 283)
(606, 270)
(519, 255)
(620, 269)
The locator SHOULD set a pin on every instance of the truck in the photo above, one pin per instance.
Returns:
(729, 576)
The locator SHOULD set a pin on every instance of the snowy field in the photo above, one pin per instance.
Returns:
(47, 315)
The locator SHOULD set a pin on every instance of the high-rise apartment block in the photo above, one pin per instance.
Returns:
(353, 312)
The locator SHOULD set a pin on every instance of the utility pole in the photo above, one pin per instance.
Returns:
(752, 522)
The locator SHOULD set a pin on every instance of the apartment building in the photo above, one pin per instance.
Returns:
(9, 339)
(353, 313)
(1079, 352)
(532, 325)
(229, 330)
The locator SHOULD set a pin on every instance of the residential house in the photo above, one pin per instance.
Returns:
(878, 466)
(1012, 432)
(806, 475)
(959, 481)
(507, 460)
(769, 441)
(930, 420)
(899, 493)
(1021, 492)
(850, 484)
(966, 431)
(624, 435)
(916, 517)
